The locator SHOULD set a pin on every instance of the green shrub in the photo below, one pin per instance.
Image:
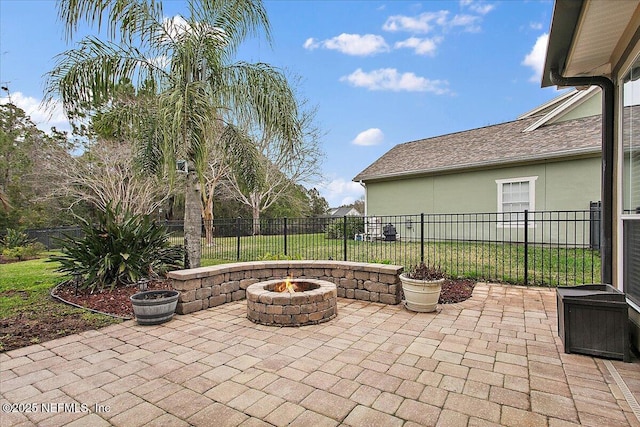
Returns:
(15, 238)
(119, 250)
(355, 225)
(31, 250)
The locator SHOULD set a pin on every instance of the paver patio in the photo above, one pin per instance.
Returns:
(494, 359)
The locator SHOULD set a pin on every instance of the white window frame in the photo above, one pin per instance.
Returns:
(532, 200)
(634, 58)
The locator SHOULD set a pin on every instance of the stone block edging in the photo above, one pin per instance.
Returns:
(204, 287)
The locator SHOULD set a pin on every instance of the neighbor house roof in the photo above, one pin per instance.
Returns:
(344, 211)
(490, 146)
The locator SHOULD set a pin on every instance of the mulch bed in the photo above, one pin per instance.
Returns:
(28, 328)
(454, 291)
(57, 321)
(108, 301)
(117, 302)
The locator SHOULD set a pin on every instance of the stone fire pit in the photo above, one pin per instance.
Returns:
(314, 302)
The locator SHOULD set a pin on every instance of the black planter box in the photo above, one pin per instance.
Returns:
(594, 320)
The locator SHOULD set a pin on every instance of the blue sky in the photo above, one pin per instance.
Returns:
(380, 72)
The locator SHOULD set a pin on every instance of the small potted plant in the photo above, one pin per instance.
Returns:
(421, 286)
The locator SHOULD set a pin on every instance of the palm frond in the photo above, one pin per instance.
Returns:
(235, 19)
(260, 93)
(125, 18)
(241, 153)
(87, 77)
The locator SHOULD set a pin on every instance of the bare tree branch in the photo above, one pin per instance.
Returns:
(105, 174)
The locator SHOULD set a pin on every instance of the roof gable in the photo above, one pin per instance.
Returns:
(344, 211)
(563, 109)
(549, 105)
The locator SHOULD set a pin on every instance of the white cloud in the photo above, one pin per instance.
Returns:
(340, 192)
(43, 118)
(311, 44)
(469, 23)
(429, 21)
(351, 44)
(161, 61)
(537, 26)
(423, 23)
(478, 7)
(177, 26)
(373, 136)
(535, 58)
(420, 46)
(389, 79)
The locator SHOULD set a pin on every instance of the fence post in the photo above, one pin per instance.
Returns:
(526, 247)
(285, 236)
(238, 239)
(422, 237)
(595, 208)
(344, 237)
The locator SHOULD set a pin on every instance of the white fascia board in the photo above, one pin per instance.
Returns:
(554, 101)
(565, 107)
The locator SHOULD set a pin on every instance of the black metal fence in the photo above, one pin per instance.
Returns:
(547, 248)
(542, 248)
(51, 237)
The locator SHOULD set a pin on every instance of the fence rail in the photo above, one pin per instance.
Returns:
(546, 248)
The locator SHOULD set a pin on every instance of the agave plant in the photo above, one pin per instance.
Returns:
(15, 238)
(120, 249)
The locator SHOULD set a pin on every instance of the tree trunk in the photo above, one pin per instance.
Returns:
(255, 210)
(207, 216)
(192, 222)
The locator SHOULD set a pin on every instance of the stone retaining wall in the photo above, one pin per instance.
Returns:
(204, 287)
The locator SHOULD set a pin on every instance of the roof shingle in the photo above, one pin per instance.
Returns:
(488, 146)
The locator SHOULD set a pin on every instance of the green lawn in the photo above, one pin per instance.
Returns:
(547, 265)
(23, 284)
(25, 301)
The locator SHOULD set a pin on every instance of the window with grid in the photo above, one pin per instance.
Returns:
(514, 197)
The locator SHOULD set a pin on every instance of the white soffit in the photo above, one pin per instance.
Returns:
(600, 28)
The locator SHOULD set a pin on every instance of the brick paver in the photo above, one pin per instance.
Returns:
(494, 359)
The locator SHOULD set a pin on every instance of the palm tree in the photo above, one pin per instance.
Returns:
(191, 60)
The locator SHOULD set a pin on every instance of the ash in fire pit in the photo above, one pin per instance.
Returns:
(292, 302)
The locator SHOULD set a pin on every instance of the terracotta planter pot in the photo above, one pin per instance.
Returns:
(421, 295)
(154, 307)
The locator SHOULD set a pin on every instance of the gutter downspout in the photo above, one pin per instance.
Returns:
(606, 219)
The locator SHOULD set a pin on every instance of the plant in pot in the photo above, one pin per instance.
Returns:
(421, 286)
